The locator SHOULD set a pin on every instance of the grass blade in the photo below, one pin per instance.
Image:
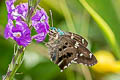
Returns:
(104, 27)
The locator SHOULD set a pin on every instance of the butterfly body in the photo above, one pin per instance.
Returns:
(66, 48)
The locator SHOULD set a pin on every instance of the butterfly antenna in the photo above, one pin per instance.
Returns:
(51, 18)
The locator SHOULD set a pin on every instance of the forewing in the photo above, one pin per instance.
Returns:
(78, 38)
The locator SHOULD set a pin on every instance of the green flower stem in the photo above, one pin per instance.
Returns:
(30, 11)
(32, 5)
(15, 64)
(105, 28)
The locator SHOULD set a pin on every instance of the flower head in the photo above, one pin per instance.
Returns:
(16, 13)
(40, 23)
(17, 28)
(19, 32)
(10, 5)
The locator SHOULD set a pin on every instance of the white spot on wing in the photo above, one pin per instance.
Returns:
(65, 67)
(75, 58)
(77, 55)
(72, 36)
(90, 55)
(72, 61)
(76, 44)
(61, 70)
(60, 62)
(81, 54)
(69, 64)
(83, 41)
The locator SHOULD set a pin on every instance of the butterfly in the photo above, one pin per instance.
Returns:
(67, 47)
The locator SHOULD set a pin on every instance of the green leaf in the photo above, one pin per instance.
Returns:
(104, 27)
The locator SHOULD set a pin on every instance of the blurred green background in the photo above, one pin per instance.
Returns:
(98, 21)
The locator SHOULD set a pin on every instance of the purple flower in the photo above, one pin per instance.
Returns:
(17, 28)
(10, 5)
(20, 33)
(40, 23)
(16, 13)
(21, 11)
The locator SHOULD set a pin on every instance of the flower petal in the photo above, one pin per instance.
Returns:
(25, 38)
(40, 23)
(8, 30)
(10, 5)
(20, 33)
(39, 37)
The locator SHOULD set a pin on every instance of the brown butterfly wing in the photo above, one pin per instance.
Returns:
(65, 51)
(78, 38)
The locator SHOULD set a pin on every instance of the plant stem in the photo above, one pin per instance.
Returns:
(32, 5)
(15, 64)
(86, 72)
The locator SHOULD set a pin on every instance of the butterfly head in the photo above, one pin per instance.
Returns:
(54, 33)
